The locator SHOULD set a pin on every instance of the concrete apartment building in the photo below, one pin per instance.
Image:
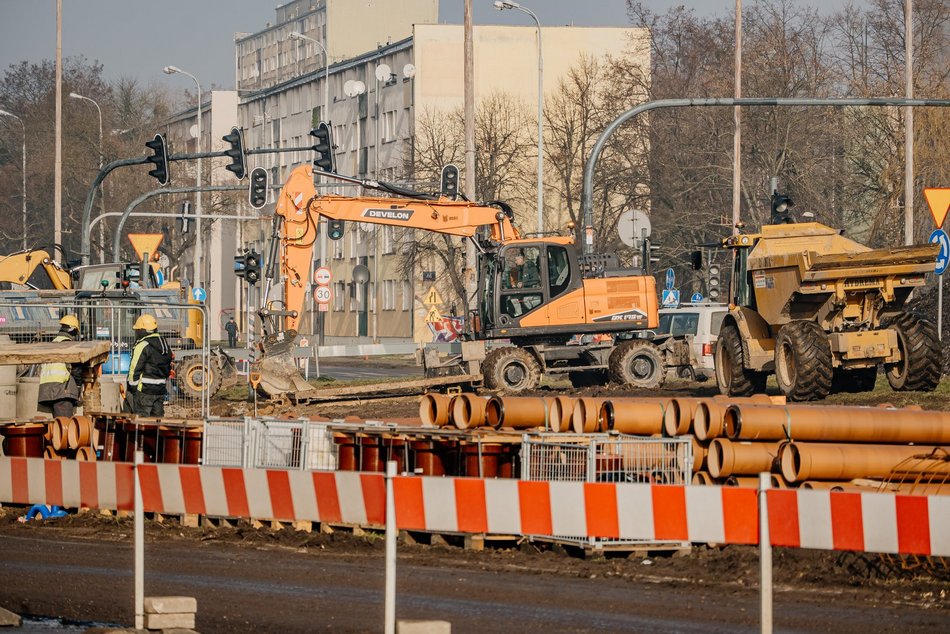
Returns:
(408, 64)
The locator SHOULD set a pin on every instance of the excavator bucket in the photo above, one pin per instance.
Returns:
(278, 368)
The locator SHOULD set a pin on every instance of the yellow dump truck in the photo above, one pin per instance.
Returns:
(823, 312)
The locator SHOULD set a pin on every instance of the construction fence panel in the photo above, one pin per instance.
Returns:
(34, 317)
(269, 443)
(614, 458)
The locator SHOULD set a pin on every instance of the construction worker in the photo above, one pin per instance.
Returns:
(60, 385)
(149, 369)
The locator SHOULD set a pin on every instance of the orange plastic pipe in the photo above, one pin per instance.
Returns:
(59, 433)
(747, 482)
(468, 411)
(726, 458)
(79, 432)
(837, 424)
(87, 454)
(561, 413)
(678, 416)
(585, 416)
(640, 418)
(702, 478)
(700, 456)
(802, 461)
(519, 412)
(434, 410)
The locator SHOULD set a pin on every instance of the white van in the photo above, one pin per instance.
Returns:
(702, 322)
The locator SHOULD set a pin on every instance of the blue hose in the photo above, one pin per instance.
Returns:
(45, 512)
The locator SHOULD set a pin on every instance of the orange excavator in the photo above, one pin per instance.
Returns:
(536, 301)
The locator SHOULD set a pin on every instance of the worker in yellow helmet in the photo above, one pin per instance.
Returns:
(61, 384)
(149, 369)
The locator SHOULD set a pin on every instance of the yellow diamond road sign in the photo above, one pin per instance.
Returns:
(145, 243)
(433, 316)
(939, 200)
(432, 297)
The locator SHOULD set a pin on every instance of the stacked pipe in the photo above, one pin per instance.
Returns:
(70, 437)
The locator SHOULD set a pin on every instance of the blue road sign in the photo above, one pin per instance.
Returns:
(199, 294)
(670, 279)
(159, 277)
(696, 298)
(943, 258)
(671, 298)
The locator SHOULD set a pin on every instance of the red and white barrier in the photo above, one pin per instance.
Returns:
(873, 522)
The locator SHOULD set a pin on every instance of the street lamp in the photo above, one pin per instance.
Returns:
(4, 113)
(171, 70)
(102, 228)
(294, 35)
(501, 5)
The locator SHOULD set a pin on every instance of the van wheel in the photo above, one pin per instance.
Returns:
(732, 377)
(919, 367)
(511, 370)
(803, 367)
(637, 363)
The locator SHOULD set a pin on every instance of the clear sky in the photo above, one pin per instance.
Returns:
(137, 38)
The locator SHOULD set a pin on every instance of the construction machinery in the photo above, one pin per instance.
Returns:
(534, 293)
(17, 270)
(823, 313)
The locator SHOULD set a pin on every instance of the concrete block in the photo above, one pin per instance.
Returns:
(9, 619)
(169, 621)
(408, 626)
(171, 605)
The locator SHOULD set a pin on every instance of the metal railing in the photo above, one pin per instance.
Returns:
(268, 443)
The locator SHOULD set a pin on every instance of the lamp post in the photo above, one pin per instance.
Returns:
(501, 5)
(171, 70)
(4, 113)
(102, 228)
(326, 71)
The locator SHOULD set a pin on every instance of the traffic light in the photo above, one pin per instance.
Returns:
(240, 265)
(648, 258)
(252, 267)
(450, 181)
(713, 281)
(236, 153)
(159, 158)
(257, 189)
(780, 208)
(325, 161)
(334, 229)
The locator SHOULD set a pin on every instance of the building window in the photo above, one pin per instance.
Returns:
(389, 294)
(406, 295)
(371, 291)
(339, 290)
(389, 240)
(389, 126)
(354, 297)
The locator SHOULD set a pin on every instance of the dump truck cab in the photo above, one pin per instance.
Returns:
(823, 312)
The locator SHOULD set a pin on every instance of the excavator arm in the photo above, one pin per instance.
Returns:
(18, 267)
(301, 208)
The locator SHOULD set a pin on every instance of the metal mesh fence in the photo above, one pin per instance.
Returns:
(606, 458)
(269, 444)
(33, 316)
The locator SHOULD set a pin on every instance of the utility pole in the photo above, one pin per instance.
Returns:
(737, 122)
(469, 184)
(58, 160)
(909, 122)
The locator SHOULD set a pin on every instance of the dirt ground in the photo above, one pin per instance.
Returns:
(261, 580)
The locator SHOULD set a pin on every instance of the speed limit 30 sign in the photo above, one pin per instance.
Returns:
(323, 295)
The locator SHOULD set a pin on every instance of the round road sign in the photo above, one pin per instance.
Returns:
(322, 276)
(943, 258)
(323, 295)
(632, 226)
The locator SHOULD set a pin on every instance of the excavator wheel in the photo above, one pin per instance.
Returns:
(588, 378)
(511, 370)
(734, 379)
(194, 378)
(803, 367)
(853, 381)
(637, 363)
(919, 367)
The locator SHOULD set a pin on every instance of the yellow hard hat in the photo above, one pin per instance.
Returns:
(71, 321)
(145, 322)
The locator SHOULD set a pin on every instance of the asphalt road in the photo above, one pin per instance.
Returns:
(257, 588)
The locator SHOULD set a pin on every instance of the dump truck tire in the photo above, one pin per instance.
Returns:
(919, 369)
(511, 370)
(734, 379)
(803, 366)
(193, 378)
(588, 378)
(854, 381)
(637, 364)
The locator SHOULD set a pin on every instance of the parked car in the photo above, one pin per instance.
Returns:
(702, 323)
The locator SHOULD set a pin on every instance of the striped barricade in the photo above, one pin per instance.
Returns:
(872, 522)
